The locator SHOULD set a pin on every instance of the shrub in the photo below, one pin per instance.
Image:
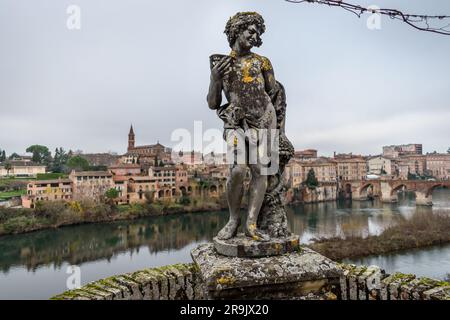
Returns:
(185, 200)
(19, 224)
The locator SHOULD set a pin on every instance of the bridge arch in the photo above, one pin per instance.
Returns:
(398, 187)
(429, 191)
(364, 190)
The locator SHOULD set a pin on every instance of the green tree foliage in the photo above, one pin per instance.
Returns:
(311, 180)
(111, 194)
(13, 156)
(41, 154)
(8, 168)
(60, 159)
(185, 200)
(78, 163)
(2, 155)
(448, 150)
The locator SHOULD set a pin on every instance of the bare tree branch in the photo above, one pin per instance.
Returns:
(420, 22)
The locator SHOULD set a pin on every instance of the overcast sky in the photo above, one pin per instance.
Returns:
(349, 89)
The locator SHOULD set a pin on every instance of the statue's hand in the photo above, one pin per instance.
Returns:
(221, 69)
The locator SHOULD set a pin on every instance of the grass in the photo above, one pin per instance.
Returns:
(10, 194)
(50, 176)
(423, 229)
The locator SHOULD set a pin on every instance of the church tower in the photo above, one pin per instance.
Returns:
(131, 139)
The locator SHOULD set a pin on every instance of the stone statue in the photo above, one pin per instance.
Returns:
(256, 108)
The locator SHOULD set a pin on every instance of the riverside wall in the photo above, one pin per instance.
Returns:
(184, 282)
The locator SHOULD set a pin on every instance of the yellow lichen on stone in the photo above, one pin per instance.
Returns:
(266, 65)
(278, 246)
(246, 71)
(225, 280)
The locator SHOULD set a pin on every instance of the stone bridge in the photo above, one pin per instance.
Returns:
(387, 190)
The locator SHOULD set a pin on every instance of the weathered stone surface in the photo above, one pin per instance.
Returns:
(180, 281)
(242, 246)
(414, 289)
(353, 282)
(399, 280)
(343, 282)
(291, 274)
(438, 293)
(308, 282)
(373, 282)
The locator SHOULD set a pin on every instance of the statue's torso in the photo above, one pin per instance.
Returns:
(246, 93)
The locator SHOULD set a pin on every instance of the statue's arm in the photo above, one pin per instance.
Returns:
(269, 77)
(218, 72)
(214, 94)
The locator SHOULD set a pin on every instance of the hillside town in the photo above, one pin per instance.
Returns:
(147, 173)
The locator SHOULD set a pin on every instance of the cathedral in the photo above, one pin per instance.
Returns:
(153, 155)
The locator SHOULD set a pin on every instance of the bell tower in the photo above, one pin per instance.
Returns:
(131, 139)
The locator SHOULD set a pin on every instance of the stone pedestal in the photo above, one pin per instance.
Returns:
(242, 246)
(286, 276)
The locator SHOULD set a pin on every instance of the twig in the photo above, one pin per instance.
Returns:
(417, 21)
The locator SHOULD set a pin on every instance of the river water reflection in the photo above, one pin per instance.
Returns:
(34, 266)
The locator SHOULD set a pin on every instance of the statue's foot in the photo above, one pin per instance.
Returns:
(230, 230)
(257, 235)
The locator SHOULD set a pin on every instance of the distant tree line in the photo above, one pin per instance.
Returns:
(61, 162)
(2, 155)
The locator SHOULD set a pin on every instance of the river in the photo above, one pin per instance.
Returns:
(36, 265)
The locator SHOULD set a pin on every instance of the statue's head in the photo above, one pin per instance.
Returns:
(246, 28)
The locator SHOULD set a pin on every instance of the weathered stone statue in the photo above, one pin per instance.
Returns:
(254, 118)
(266, 261)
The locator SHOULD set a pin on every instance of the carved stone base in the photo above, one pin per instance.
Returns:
(286, 276)
(242, 246)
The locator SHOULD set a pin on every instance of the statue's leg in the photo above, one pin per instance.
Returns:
(235, 190)
(257, 190)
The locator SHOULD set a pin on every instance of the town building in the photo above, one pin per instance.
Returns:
(190, 158)
(413, 164)
(47, 190)
(350, 167)
(220, 171)
(395, 151)
(306, 154)
(383, 166)
(438, 165)
(125, 169)
(154, 155)
(91, 184)
(296, 172)
(21, 168)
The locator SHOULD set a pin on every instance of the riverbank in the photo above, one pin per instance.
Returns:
(49, 215)
(421, 230)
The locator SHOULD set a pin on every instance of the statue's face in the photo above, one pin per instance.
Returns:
(249, 38)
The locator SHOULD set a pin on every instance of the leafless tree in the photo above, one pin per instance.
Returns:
(431, 23)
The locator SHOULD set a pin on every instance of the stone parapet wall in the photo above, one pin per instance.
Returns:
(183, 282)
(372, 283)
(174, 282)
